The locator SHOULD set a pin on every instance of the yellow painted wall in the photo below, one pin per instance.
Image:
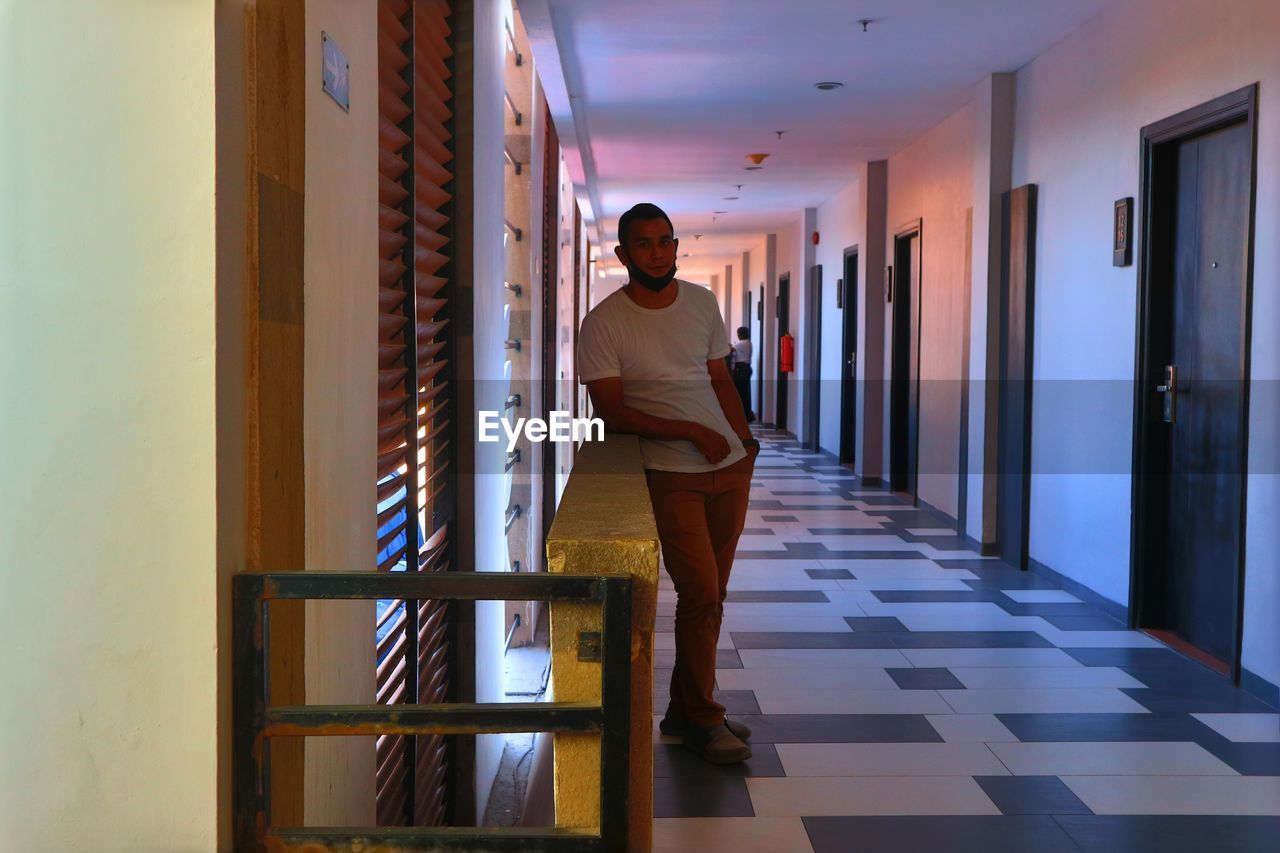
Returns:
(605, 526)
(108, 726)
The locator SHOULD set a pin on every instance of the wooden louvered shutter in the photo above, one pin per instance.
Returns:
(414, 342)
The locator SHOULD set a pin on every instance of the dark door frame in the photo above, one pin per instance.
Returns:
(550, 321)
(577, 314)
(759, 351)
(1016, 371)
(1148, 466)
(848, 358)
(812, 386)
(904, 477)
(747, 322)
(783, 315)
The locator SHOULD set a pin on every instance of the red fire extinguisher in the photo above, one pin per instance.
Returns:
(787, 353)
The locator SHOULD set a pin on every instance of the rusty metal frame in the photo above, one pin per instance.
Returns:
(255, 722)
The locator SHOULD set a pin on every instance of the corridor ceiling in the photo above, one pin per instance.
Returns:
(661, 100)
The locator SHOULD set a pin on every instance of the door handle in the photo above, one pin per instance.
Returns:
(853, 365)
(1170, 391)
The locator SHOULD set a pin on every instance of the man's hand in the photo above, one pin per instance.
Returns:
(711, 444)
(610, 405)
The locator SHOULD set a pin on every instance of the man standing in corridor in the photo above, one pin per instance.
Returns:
(652, 356)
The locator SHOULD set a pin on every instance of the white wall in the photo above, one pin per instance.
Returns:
(800, 286)
(108, 725)
(841, 224)
(340, 409)
(489, 264)
(790, 261)
(1080, 108)
(932, 180)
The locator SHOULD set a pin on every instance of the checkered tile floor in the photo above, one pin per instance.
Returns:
(909, 695)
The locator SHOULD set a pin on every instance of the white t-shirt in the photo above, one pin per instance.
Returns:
(661, 354)
(742, 352)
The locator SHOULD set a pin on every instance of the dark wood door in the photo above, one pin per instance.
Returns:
(784, 326)
(1017, 326)
(904, 384)
(1207, 402)
(1192, 390)
(813, 360)
(849, 361)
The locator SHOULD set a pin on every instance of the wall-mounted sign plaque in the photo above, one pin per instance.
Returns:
(1122, 234)
(337, 72)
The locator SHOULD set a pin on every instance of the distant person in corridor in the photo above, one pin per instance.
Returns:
(742, 369)
(652, 356)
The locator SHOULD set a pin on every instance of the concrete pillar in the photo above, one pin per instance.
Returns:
(729, 295)
(992, 176)
(770, 331)
(872, 399)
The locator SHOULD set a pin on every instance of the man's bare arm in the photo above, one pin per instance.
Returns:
(607, 399)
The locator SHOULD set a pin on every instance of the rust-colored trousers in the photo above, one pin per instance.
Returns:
(700, 518)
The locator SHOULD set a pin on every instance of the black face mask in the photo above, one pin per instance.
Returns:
(654, 283)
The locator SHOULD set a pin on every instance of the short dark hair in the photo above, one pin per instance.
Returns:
(644, 210)
(743, 333)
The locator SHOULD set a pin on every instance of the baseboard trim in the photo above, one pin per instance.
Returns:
(1080, 591)
(1257, 686)
(1250, 682)
(951, 519)
(986, 549)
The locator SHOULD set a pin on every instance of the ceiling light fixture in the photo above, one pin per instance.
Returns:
(731, 198)
(753, 168)
(757, 159)
(828, 85)
(718, 212)
(866, 22)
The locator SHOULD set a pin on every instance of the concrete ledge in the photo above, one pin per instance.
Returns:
(604, 525)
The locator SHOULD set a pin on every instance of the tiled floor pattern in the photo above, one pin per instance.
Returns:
(909, 695)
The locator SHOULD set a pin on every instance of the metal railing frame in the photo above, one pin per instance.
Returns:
(255, 722)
